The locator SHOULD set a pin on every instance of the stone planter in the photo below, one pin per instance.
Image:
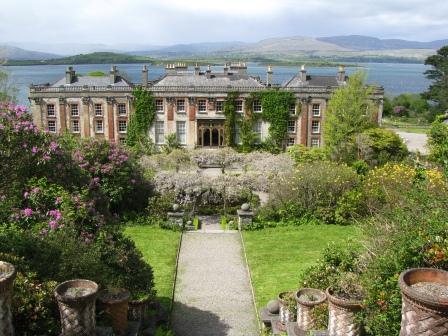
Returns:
(425, 302)
(76, 301)
(307, 299)
(285, 314)
(7, 276)
(115, 303)
(342, 316)
(139, 311)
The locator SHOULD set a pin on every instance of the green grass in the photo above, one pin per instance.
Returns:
(411, 125)
(278, 256)
(159, 249)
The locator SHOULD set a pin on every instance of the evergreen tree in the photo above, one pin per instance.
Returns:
(438, 74)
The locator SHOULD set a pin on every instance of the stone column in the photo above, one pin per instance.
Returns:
(110, 119)
(36, 108)
(7, 276)
(62, 115)
(85, 117)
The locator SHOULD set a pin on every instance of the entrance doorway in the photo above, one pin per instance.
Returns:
(211, 133)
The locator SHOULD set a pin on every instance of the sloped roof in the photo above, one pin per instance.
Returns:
(312, 80)
(92, 81)
(190, 79)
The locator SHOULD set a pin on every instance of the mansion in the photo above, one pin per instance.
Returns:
(189, 103)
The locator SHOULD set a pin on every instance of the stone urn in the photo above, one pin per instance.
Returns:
(285, 313)
(176, 207)
(7, 276)
(307, 299)
(76, 301)
(424, 302)
(139, 311)
(342, 316)
(115, 304)
(245, 207)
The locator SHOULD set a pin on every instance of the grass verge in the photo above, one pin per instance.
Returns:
(159, 249)
(278, 256)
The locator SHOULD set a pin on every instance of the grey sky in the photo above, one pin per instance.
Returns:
(163, 22)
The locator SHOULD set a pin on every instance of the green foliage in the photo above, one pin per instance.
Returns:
(96, 74)
(7, 91)
(438, 142)
(377, 146)
(350, 111)
(171, 143)
(230, 113)
(438, 74)
(302, 154)
(247, 135)
(407, 105)
(275, 105)
(143, 116)
(196, 223)
(223, 223)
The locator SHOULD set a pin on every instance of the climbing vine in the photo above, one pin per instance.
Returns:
(275, 105)
(230, 113)
(247, 135)
(142, 118)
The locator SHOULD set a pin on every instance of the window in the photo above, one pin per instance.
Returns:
(219, 106)
(315, 142)
(98, 110)
(291, 141)
(292, 109)
(159, 132)
(75, 126)
(316, 110)
(239, 106)
(99, 126)
(258, 130)
(159, 105)
(122, 141)
(181, 132)
(52, 126)
(291, 126)
(236, 134)
(51, 111)
(257, 106)
(122, 109)
(122, 126)
(74, 110)
(180, 105)
(202, 105)
(315, 126)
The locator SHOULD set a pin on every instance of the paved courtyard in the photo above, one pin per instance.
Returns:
(415, 141)
(213, 294)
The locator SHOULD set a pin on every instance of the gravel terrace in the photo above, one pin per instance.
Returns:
(213, 295)
(414, 141)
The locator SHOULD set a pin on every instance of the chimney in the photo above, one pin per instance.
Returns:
(341, 74)
(269, 76)
(113, 74)
(170, 69)
(69, 75)
(226, 69)
(209, 69)
(197, 70)
(303, 74)
(145, 76)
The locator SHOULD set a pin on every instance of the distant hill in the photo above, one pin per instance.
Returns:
(8, 52)
(92, 58)
(362, 43)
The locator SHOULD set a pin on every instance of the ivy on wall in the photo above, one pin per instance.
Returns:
(142, 118)
(247, 135)
(230, 113)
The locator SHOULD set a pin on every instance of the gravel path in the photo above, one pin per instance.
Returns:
(213, 295)
(415, 141)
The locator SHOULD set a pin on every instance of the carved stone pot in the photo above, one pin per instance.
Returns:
(115, 303)
(285, 314)
(424, 308)
(307, 299)
(342, 316)
(139, 311)
(7, 276)
(76, 301)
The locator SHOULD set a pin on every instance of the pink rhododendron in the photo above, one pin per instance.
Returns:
(27, 212)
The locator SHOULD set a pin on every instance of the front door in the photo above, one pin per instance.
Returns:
(211, 133)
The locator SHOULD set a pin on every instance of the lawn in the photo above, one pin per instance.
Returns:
(277, 256)
(159, 248)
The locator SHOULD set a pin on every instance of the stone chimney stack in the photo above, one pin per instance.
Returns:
(303, 74)
(341, 74)
(269, 73)
(145, 76)
(209, 69)
(113, 74)
(197, 70)
(170, 69)
(69, 75)
(226, 69)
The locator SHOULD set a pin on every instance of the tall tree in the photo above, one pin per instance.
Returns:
(350, 111)
(438, 74)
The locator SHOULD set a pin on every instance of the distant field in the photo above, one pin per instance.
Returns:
(278, 256)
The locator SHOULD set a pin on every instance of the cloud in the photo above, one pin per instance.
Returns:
(162, 22)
